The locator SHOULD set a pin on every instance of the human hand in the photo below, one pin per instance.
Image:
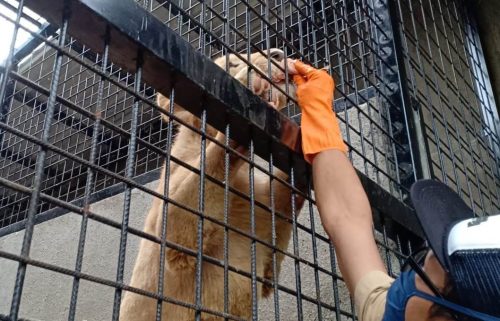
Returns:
(311, 82)
(319, 125)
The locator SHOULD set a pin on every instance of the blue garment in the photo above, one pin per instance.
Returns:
(403, 288)
(399, 293)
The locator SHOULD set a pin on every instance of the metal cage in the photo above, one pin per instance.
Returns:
(82, 139)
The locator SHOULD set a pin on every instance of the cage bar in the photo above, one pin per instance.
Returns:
(83, 135)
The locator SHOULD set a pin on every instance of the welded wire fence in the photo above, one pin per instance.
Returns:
(230, 230)
(448, 83)
(344, 40)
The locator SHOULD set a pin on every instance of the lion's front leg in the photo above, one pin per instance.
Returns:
(145, 274)
(183, 224)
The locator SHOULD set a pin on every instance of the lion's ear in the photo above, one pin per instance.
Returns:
(162, 101)
(221, 62)
(233, 61)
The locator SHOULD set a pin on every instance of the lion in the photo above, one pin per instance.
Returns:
(182, 225)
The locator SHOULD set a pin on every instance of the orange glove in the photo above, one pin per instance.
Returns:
(319, 125)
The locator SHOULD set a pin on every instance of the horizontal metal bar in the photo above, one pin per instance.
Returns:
(47, 30)
(95, 197)
(169, 61)
(14, 9)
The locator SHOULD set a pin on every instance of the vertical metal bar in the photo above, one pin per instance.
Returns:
(8, 62)
(129, 173)
(202, 43)
(288, 77)
(284, 36)
(226, 26)
(226, 29)
(335, 284)
(201, 204)
(265, 31)
(400, 249)
(273, 238)
(5, 107)
(164, 220)
(296, 253)
(355, 87)
(387, 251)
(89, 182)
(4, 75)
(312, 33)
(386, 72)
(253, 246)
(201, 209)
(248, 42)
(367, 66)
(343, 77)
(40, 165)
(301, 35)
(415, 122)
(427, 168)
(315, 251)
(226, 221)
(352, 306)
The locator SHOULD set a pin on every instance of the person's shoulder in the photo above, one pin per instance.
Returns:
(373, 280)
(370, 295)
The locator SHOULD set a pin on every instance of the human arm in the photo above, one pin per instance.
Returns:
(343, 205)
(346, 216)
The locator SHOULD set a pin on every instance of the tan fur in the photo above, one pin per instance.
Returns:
(179, 281)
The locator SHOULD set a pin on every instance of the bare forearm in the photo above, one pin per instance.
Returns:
(342, 202)
(339, 193)
(346, 215)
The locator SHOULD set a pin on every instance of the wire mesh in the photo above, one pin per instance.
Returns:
(77, 127)
(342, 42)
(72, 131)
(449, 85)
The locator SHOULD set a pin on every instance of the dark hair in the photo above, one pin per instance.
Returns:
(450, 294)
